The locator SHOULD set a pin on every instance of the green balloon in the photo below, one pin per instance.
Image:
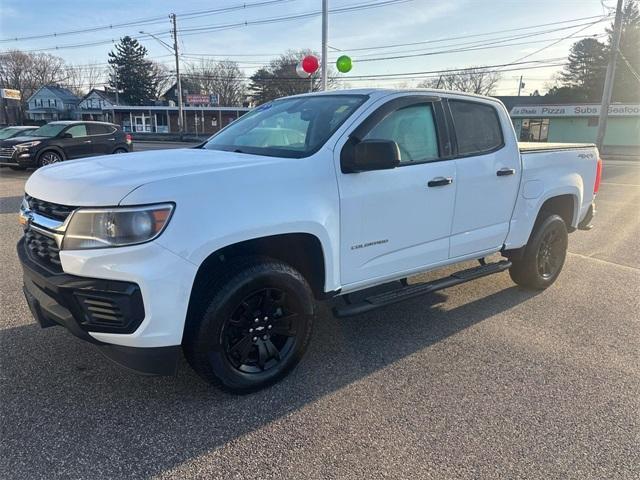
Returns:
(344, 64)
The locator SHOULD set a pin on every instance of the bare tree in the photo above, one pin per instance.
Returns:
(81, 79)
(223, 78)
(479, 80)
(163, 78)
(279, 78)
(28, 72)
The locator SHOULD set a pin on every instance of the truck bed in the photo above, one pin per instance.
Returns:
(534, 147)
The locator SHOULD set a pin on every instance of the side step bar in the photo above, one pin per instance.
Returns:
(412, 291)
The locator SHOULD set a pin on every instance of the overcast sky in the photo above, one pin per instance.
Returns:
(413, 21)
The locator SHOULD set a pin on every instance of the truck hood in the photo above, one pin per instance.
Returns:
(106, 180)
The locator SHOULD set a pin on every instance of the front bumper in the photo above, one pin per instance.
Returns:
(20, 158)
(95, 308)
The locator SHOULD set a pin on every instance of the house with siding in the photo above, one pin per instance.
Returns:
(50, 103)
(98, 105)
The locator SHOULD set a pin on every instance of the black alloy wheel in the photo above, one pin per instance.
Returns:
(550, 253)
(543, 257)
(261, 332)
(250, 326)
(49, 158)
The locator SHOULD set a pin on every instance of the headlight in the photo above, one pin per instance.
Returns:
(115, 227)
(24, 146)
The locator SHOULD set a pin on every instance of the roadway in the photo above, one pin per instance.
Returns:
(483, 380)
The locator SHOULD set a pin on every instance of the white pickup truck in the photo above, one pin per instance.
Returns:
(221, 251)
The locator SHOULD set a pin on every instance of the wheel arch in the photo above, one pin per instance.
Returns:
(302, 251)
(51, 148)
(565, 203)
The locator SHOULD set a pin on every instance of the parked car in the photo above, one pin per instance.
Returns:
(15, 131)
(223, 250)
(65, 140)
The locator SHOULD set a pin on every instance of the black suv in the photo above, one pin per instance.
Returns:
(58, 141)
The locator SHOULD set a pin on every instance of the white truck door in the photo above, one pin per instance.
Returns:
(488, 176)
(398, 220)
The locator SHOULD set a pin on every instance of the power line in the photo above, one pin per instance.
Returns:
(445, 39)
(560, 40)
(147, 21)
(201, 30)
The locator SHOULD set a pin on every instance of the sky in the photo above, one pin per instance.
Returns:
(367, 35)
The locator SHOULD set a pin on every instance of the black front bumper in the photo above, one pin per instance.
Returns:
(84, 305)
(23, 159)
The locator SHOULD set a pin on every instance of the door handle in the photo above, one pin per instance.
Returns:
(503, 172)
(87, 141)
(440, 181)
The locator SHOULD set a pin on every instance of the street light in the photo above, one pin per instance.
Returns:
(174, 50)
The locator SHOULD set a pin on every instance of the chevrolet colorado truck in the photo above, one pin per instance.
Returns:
(222, 251)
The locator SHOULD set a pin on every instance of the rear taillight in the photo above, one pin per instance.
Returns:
(596, 185)
(128, 138)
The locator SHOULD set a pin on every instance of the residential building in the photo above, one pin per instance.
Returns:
(51, 102)
(97, 105)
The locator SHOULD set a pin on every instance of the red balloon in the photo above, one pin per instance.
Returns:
(310, 64)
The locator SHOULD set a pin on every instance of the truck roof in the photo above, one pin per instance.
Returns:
(381, 92)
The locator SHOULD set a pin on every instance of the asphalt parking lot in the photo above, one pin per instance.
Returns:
(483, 380)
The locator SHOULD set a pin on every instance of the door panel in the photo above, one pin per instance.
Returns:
(80, 145)
(102, 137)
(484, 197)
(392, 221)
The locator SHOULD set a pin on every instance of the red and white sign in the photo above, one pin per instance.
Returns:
(196, 99)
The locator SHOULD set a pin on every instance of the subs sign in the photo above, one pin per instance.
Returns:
(545, 111)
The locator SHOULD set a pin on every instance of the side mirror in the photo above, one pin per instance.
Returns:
(369, 155)
(66, 135)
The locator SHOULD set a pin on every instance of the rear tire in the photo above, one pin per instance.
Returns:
(251, 327)
(120, 150)
(544, 254)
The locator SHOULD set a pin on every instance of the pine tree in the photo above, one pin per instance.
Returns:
(585, 71)
(133, 73)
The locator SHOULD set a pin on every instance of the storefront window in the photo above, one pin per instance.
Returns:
(534, 130)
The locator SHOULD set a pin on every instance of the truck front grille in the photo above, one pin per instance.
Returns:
(43, 249)
(48, 209)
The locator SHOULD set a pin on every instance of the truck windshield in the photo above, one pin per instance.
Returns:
(49, 130)
(291, 127)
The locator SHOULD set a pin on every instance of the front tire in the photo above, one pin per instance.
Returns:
(252, 327)
(120, 150)
(544, 254)
(49, 157)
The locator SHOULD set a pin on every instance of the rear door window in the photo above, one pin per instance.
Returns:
(477, 127)
(94, 129)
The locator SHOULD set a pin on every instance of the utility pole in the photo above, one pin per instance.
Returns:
(609, 79)
(116, 74)
(179, 83)
(520, 85)
(325, 34)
